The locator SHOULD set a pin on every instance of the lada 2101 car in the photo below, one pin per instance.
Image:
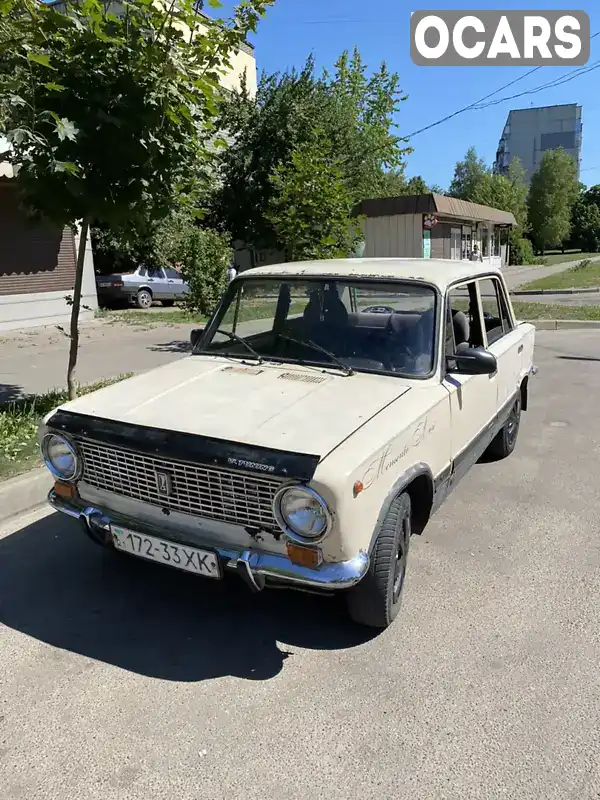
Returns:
(323, 415)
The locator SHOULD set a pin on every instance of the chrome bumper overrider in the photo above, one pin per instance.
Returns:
(253, 565)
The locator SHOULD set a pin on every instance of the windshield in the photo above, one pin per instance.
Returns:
(342, 324)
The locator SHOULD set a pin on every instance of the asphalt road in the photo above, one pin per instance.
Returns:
(122, 680)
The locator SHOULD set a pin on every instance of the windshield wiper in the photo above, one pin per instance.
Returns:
(309, 343)
(235, 338)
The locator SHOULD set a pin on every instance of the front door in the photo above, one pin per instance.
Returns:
(157, 281)
(175, 284)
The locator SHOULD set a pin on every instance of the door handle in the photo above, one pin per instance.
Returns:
(520, 350)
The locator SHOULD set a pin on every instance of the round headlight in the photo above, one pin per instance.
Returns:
(60, 457)
(299, 510)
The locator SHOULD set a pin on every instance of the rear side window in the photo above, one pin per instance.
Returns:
(142, 272)
(495, 310)
(155, 272)
(172, 273)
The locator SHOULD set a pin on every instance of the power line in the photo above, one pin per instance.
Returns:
(550, 85)
(475, 106)
(472, 105)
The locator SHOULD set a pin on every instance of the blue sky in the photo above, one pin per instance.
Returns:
(295, 28)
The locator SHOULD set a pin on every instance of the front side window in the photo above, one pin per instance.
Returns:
(366, 326)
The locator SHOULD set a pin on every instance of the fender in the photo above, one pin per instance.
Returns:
(417, 470)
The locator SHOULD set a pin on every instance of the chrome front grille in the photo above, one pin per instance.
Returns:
(210, 492)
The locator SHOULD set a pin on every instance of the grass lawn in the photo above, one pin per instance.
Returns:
(561, 258)
(151, 319)
(19, 423)
(573, 278)
(534, 311)
(250, 310)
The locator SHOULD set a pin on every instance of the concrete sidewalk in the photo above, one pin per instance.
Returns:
(35, 361)
(517, 276)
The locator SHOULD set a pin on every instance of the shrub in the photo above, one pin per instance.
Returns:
(521, 251)
(203, 256)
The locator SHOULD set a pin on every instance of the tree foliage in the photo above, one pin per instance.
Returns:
(585, 221)
(553, 192)
(354, 112)
(107, 116)
(468, 175)
(310, 209)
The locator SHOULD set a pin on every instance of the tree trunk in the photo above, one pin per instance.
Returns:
(74, 331)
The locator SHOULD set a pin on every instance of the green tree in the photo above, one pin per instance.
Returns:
(353, 110)
(585, 221)
(310, 209)
(468, 175)
(553, 192)
(108, 116)
(416, 185)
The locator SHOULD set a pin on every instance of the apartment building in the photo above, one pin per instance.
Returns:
(529, 132)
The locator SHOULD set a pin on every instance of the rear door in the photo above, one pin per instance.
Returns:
(502, 338)
(473, 398)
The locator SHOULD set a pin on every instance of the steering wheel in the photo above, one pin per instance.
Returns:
(378, 310)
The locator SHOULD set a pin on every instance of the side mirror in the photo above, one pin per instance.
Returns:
(473, 361)
(195, 336)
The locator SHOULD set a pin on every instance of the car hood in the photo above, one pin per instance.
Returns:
(284, 407)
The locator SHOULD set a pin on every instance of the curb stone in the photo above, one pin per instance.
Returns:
(594, 290)
(564, 324)
(24, 493)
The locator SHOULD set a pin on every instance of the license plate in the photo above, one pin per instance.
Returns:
(190, 559)
(104, 285)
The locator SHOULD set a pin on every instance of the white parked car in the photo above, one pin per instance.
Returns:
(323, 415)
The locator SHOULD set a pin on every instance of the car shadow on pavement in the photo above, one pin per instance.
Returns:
(171, 347)
(58, 587)
(579, 358)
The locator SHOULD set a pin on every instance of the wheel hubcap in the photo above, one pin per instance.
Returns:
(513, 422)
(401, 557)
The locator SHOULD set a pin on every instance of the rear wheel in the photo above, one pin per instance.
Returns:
(376, 600)
(144, 298)
(505, 440)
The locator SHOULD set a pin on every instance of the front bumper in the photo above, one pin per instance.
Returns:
(254, 567)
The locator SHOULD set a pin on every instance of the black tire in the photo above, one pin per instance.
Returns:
(505, 440)
(144, 298)
(376, 600)
(168, 303)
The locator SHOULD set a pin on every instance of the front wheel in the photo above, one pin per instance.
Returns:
(505, 440)
(375, 601)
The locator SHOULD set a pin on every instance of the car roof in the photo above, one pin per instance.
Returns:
(441, 272)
